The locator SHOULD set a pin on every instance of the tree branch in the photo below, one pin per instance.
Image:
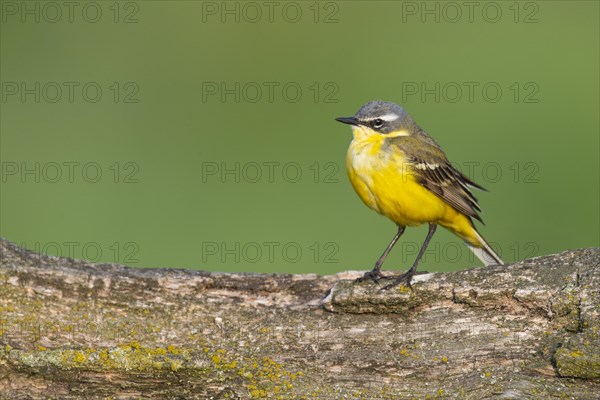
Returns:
(70, 329)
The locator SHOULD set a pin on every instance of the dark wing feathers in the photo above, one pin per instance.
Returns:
(449, 185)
(434, 172)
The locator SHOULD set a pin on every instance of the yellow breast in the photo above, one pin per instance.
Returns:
(383, 180)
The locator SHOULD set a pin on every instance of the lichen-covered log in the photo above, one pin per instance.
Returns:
(71, 330)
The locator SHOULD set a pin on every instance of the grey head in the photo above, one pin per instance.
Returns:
(381, 116)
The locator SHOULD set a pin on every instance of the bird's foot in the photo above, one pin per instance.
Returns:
(403, 278)
(374, 275)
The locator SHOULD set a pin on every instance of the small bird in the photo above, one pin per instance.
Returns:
(399, 171)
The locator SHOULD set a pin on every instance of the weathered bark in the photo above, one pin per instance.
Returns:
(70, 329)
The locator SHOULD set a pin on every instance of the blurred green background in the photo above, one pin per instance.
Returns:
(202, 134)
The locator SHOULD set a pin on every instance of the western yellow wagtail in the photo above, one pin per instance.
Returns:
(398, 170)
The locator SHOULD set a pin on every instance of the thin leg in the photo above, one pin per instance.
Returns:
(407, 276)
(376, 274)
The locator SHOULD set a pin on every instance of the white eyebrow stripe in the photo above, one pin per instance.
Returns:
(389, 117)
(385, 117)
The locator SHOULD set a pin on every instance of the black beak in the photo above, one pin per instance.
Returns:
(347, 120)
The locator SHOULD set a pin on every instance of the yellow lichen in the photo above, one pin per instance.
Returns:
(256, 393)
(176, 365)
(576, 353)
(79, 357)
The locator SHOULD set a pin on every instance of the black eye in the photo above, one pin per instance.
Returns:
(377, 123)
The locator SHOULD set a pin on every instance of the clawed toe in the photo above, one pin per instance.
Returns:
(373, 275)
(404, 278)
